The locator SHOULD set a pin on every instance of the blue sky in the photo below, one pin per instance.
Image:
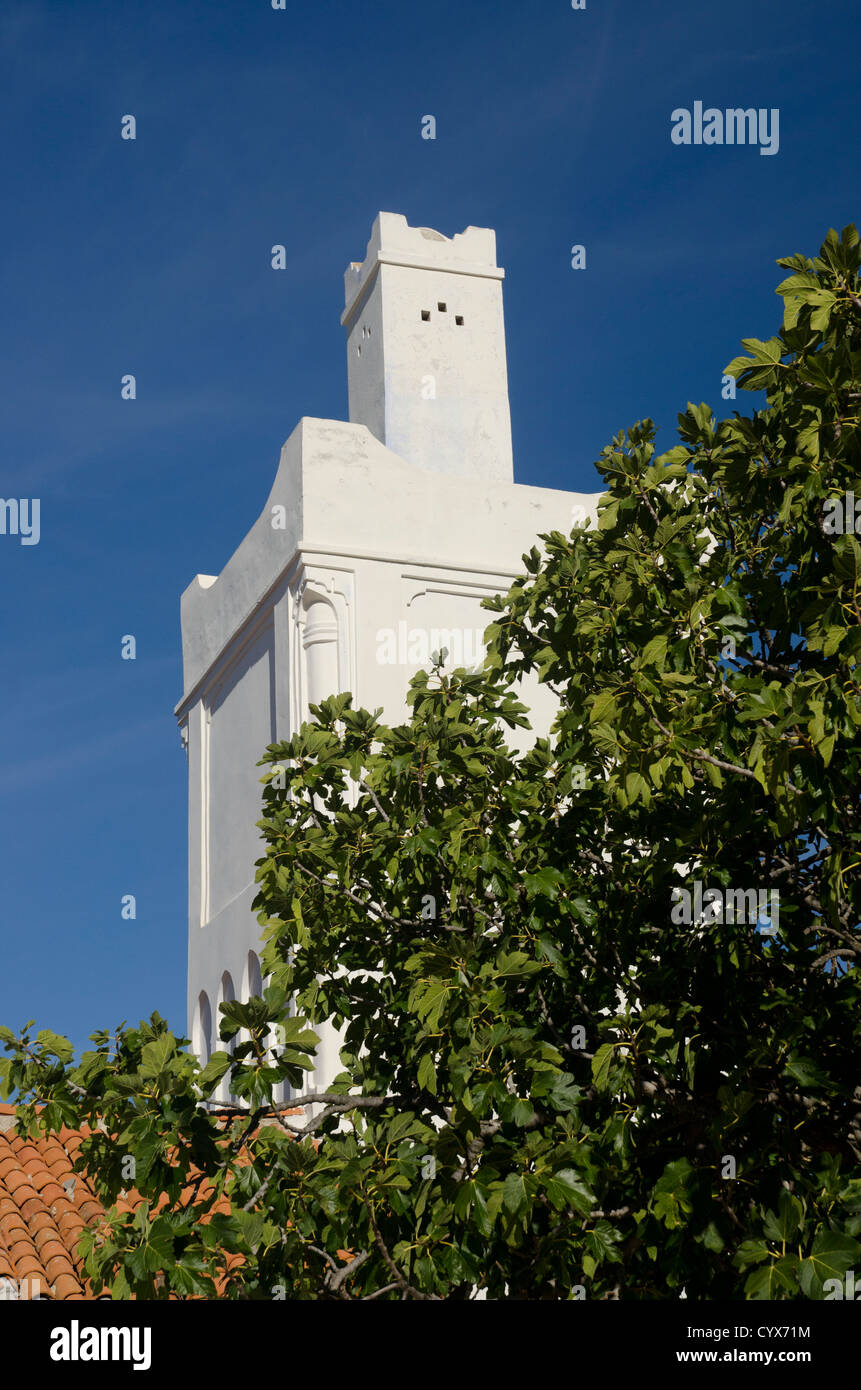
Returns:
(257, 127)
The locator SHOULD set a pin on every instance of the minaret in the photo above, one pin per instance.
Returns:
(402, 520)
(426, 360)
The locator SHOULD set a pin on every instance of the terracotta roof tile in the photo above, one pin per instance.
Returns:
(49, 1247)
(29, 1158)
(69, 1229)
(57, 1265)
(41, 1179)
(53, 1148)
(41, 1225)
(67, 1286)
(13, 1233)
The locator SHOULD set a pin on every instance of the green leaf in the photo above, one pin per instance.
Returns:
(426, 1075)
(654, 653)
(514, 1193)
(566, 1188)
(769, 1281)
(155, 1055)
(215, 1068)
(832, 1254)
(603, 709)
(601, 1066)
(53, 1042)
(806, 1072)
(784, 1225)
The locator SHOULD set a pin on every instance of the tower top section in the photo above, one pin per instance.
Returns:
(426, 364)
(394, 242)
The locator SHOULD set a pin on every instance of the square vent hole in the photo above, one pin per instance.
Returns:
(425, 315)
(441, 308)
(458, 318)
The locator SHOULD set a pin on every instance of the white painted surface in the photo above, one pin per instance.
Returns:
(426, 348)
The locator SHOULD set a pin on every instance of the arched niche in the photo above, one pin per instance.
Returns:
(252, 981)
(201, 1036)
(320, 646)
(226, 995)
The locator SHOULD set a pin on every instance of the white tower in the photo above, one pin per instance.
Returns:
(426, 348)
(378, 541)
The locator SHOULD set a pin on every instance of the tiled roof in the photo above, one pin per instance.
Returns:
(44, 1206)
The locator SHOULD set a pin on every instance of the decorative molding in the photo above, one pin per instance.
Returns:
(453, 587)
(204, 748)
(310, 584)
